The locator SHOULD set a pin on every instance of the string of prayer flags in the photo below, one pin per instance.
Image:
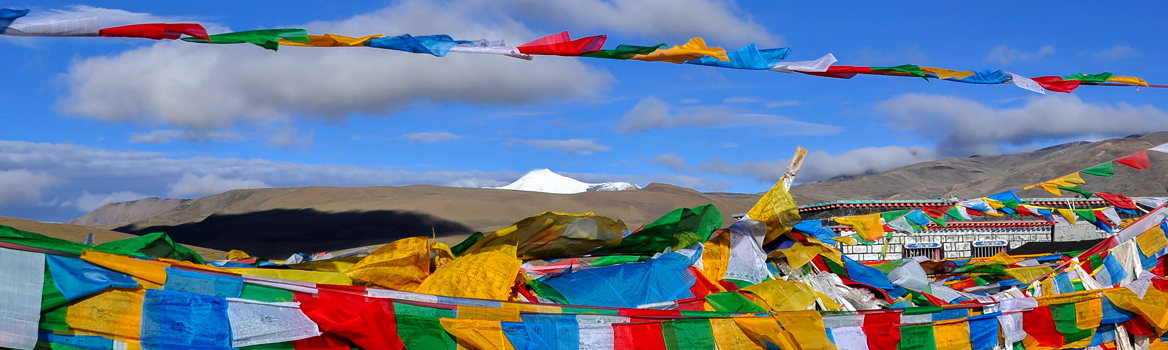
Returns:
(157, 31)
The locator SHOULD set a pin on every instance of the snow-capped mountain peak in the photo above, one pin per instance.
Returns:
(544, 180)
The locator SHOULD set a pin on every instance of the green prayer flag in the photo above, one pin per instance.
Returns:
(423, 333)
(1105, 170)
(547, 292)
(893, 215)
(1086, 214)
(917, 337)
(1089, 78)
(421, 311)
(920, 310)
(12, 235)
(459, 248)
(1012, 204)
(1085, 194)
(940, 221)
(904, 68)
(286, 345)
(265, 38)
(955, 213)
(52, 305)
(155, 244)
(1096, 261)
(1065, 322)
(617, 259)
(624, 52)
(678, 229)
(732, 302)
(691, 333)
(265, 294)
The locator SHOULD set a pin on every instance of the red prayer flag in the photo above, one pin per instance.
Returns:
(1138, 160)
(639, 336)
(157, 31)
(634, 314)
(935, 300)
(562, 45)
(1138, 326)
(882, 331)
(367, 322)
(1055, 83)
(1117, 200)
(704, 286)
(936, 212)
(1103, 218)
(1039, 323)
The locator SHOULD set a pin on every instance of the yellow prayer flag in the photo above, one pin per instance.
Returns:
(1152, 241)
(236, 254)
(1047, 286)
(829, 303)
(776, 209)
(1071, 180)
(114, 314)
(1127, 80)
(533, 308)
(868, 226)
(152, 271)
(482, 313)
(331, 40)
(780, 295)
(1052, 188)
(758, 329)
(716, 255)
(336, 278)
(694, 49)
(1002, 257)
(952, 334)
(484, 275)
(476, 334)
(728, 336)
(806, 327)
(442, 254)
(1089, 313)
(1068, 214)
(1027, 274)
(554, 235)
(400, 265)
(943, 73)
(993, 203)
(849, 240)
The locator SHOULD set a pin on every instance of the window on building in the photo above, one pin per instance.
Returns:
(985, 249)
(929, 250)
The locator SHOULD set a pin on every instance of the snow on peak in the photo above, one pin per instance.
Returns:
(544, 180)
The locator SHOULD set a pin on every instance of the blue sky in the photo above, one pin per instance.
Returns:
(90, 121)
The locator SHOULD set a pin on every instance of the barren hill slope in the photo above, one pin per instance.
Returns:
(981, 176)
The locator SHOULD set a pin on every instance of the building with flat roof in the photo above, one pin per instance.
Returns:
(981, 236)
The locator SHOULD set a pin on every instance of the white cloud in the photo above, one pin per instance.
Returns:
(430, 137)
(719, 22)
(671, 161)
(690, 101)
(24, 186)
(89, 201)
(194, 186)
(963, 127)
(783, 103)
(1118, 52)
(116, 17)
(740, 99)
(574, 146)
(187, 85)
(172, 135)
(1005, 54)
(653, 113)
(821, 165)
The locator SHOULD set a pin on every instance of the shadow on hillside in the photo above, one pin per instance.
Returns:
(279, 233)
